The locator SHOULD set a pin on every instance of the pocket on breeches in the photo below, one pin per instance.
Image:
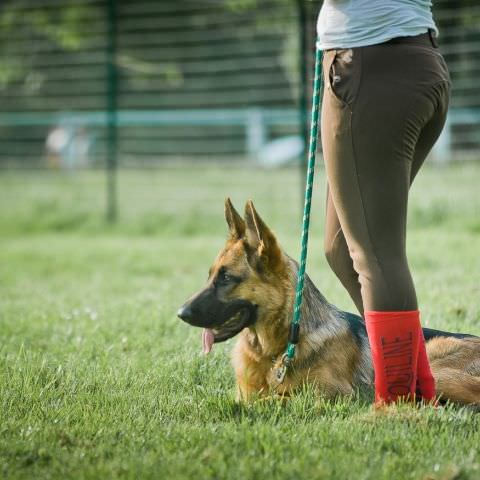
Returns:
(342, 74)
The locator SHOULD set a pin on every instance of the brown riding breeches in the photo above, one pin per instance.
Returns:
(384, 107)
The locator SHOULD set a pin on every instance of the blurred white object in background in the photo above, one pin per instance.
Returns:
(68, 146)
(282, 151)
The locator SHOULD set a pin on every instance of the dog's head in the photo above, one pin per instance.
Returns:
(245, 280)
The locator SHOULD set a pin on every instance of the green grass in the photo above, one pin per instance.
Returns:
(100, 380)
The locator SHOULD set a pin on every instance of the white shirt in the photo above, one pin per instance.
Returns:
(358, 23)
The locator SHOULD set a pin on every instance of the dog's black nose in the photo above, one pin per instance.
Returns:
(185, 313)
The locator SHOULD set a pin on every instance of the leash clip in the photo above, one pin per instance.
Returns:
(281, 371)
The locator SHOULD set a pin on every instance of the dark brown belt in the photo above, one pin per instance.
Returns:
(428, 38)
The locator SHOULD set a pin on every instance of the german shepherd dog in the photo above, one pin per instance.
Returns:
(250, 292)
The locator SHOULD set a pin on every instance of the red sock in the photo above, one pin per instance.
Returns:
(425, 380)
(394, 342)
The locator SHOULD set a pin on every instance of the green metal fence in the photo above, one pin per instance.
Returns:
(89, 83)
(191, 78)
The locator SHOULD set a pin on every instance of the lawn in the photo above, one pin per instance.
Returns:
(99, 379)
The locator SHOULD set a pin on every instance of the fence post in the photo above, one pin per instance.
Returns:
(111, 112)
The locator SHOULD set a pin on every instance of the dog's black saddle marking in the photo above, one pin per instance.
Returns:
(430, 333)
(357, 327)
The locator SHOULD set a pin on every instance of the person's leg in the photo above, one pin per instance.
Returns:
(338, 256)
(368, 146)
(368, 185)
(335, 244)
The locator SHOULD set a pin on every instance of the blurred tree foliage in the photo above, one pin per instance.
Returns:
(36, 36)
(26, 28)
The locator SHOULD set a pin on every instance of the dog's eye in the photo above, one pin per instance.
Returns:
(224, 277)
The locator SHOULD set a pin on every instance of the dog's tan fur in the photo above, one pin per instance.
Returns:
(328, 354)
(455, 365)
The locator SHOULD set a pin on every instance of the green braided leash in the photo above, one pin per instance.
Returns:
(295, 325)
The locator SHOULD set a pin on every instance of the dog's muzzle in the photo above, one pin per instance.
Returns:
(225, 319)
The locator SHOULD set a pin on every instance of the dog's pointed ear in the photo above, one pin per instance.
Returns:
(235, 222)
(260, 238)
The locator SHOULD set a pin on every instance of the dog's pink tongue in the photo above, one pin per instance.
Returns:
(207, 339)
